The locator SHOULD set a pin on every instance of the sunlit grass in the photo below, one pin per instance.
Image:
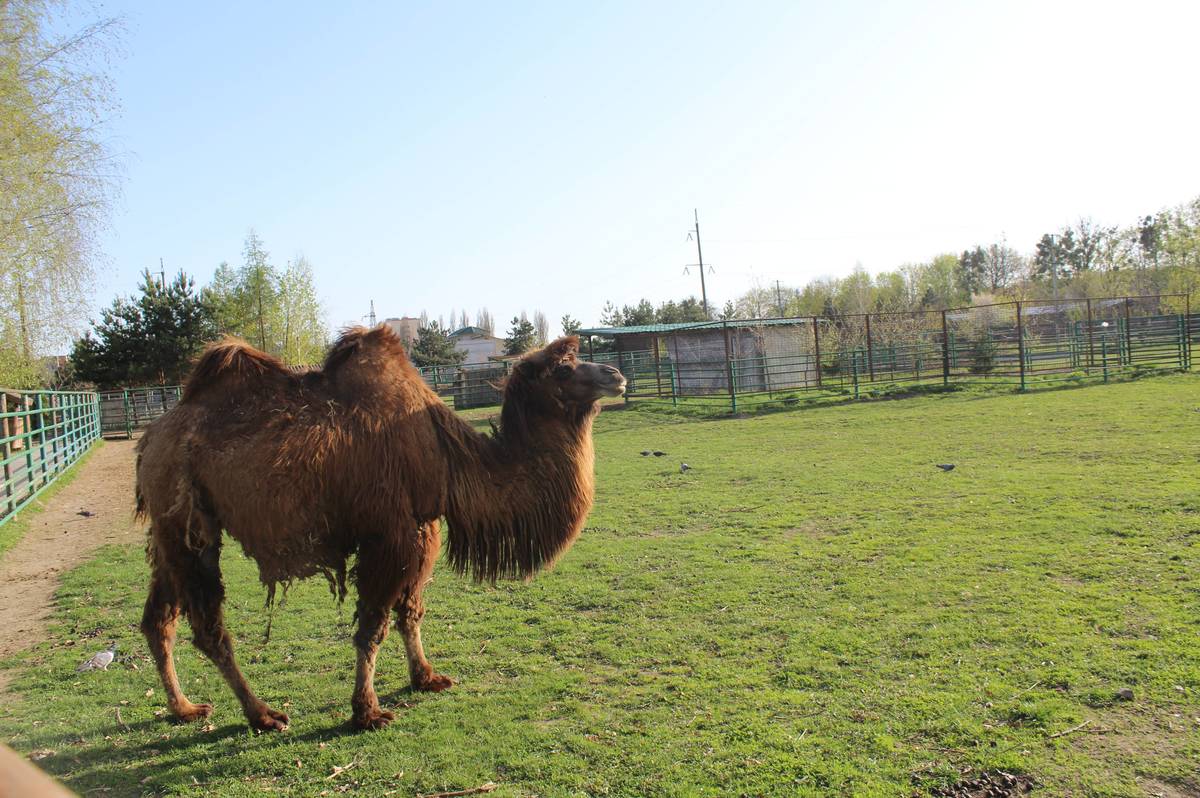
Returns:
(813, 609)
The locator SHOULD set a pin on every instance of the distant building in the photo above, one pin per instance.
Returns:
(478, 344)
(406, 327)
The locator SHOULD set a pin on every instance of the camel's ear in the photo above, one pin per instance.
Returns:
(563, 347)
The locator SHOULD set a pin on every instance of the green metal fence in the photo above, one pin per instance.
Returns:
(123, 411)
(737, 364)
(41, 434)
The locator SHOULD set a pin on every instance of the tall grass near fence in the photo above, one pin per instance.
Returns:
(42, 433)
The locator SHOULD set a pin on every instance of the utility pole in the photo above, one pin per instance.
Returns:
(371, 316)
(162, 273)
(700, 257)
(1054, 263)
(778, 299)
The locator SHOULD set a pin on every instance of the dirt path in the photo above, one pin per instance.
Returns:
(59, 539)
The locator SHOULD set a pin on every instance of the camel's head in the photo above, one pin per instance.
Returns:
(557, 375)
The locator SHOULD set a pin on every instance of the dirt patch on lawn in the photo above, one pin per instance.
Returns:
(988, 785)
(95, 509)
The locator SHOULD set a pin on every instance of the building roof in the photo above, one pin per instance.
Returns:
(645, 329)
(472, 331)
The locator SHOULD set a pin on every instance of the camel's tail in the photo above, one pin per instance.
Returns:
(139, 498)
(226, 359)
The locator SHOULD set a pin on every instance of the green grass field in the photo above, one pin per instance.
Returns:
(814, 609)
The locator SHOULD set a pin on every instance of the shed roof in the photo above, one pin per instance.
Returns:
(644, 329)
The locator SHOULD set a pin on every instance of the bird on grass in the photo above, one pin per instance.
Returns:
(946, 466)
(684, 468)
(658, 453)
(99, 661)
(646, 453)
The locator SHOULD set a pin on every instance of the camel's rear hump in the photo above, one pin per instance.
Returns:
(231, 359)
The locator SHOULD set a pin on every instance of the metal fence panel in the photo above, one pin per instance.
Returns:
(1019, 344)
(41, 434)
(123, 411)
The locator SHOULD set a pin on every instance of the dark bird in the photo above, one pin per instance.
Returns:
(684, 468)
(85, 513)
(646, 453)
(946, 466)
(659, 454)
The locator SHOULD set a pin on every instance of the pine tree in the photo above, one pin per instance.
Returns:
(521, 337)
(434, 347)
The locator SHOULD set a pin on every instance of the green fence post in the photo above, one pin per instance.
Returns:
(1104, 355)
(674, 385)
(1182, 343)
(729, 366)
(6, 428)
(733, 382)
(945, 352)
(125, 408)
(854, 370)
(41, 416)
(1021, 346)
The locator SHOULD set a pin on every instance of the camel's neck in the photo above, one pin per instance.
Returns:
(517, 501)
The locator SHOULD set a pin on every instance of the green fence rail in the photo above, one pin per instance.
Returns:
(41, 434)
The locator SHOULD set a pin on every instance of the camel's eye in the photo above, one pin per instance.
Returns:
(562, 372)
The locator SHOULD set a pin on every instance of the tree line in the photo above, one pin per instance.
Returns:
(1157, 254)
(152, 336)
(434, 346)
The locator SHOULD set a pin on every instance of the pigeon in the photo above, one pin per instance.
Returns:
(85, 513)
(684, 468)
(99, 661)
(946, 466)
(658, 453)
(646, 453)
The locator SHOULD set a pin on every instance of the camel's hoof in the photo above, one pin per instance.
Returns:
(190, 712)
(269, 719)
(434, 683)
(370, 721)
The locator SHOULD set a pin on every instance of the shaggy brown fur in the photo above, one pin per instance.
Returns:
(359, 458)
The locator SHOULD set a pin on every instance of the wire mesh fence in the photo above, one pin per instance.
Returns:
(1026, 344)
(41, 434)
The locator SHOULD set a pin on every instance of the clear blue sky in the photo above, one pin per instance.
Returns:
(549, 155)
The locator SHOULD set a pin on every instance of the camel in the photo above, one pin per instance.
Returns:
(356, 459)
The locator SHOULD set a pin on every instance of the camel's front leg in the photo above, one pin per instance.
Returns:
(372, 629)
(411, 608)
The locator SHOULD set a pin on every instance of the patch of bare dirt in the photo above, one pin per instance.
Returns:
(1160, 789)
(95, 509)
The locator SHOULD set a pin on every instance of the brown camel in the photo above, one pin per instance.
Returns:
(357, 458)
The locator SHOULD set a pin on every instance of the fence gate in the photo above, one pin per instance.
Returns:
(123, 411)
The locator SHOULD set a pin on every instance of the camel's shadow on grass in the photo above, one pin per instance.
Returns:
(153, 765)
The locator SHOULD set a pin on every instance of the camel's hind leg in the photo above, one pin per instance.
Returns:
(372, 629)
(204, 592)
(410, 608)
(159, 621)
